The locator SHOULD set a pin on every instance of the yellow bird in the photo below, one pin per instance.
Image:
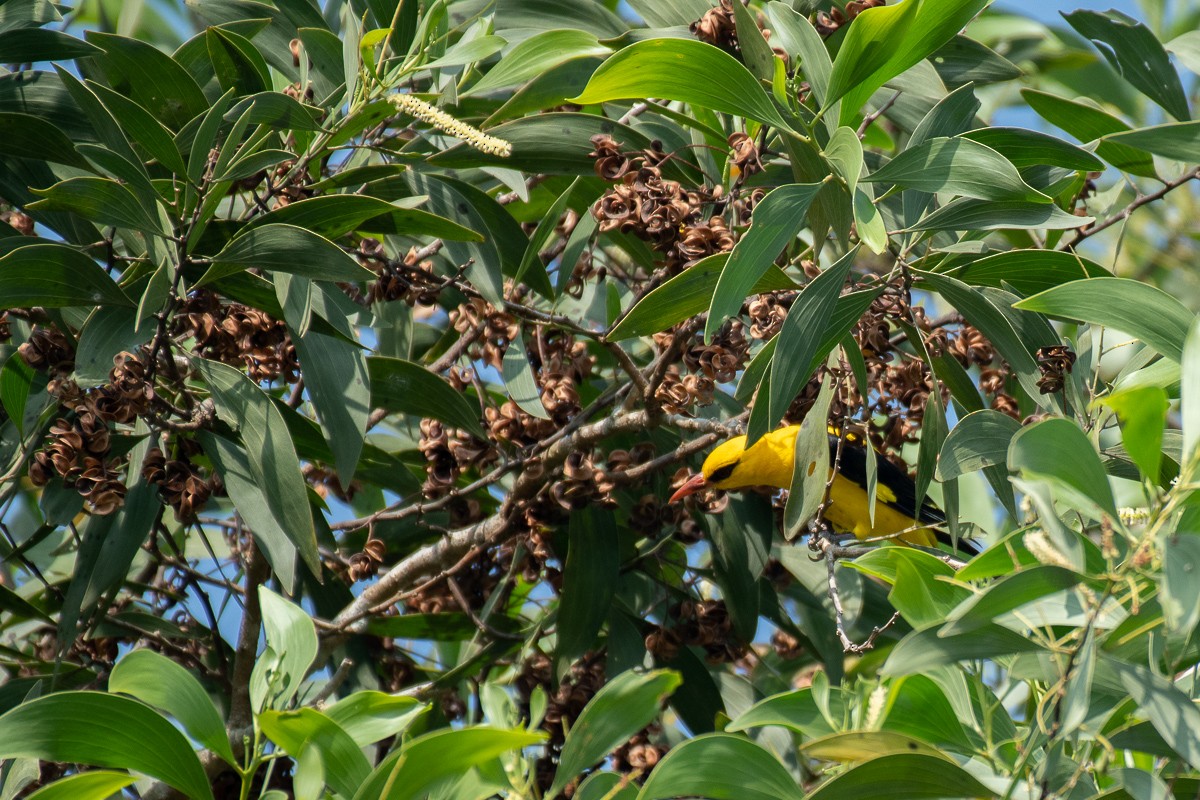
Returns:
(769, 463)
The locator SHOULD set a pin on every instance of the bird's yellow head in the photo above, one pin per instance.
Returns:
(768, 462)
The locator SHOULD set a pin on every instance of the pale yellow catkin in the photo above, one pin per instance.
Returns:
(419, 109)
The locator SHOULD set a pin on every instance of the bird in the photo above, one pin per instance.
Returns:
(769, 462)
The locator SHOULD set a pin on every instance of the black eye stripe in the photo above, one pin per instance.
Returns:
(721, 473)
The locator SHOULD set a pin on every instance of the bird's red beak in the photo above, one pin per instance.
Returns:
(693, 485)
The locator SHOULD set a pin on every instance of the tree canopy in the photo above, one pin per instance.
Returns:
(350, 352)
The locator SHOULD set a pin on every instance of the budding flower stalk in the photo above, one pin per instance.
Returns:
(419, 109)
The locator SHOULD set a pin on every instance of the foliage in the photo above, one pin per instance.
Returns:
(350, 350)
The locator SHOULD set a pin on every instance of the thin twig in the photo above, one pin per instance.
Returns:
(1123, 214)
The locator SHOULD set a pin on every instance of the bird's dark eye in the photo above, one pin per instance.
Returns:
(721, 473)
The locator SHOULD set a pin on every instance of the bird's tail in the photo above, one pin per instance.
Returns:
(966, 547)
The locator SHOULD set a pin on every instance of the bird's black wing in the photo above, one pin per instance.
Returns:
(853, 466)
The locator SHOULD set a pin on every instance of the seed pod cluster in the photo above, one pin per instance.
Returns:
(238, 335)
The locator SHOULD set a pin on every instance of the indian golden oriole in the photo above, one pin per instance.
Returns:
(770, 460)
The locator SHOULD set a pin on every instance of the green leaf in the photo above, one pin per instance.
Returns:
(233, 465)
(291, 649)
(923, 650)
(621, 708)
(236, 62)
(686, 295)
(286, 248)
(980, 439)
(959, 166)
(269, 450)
(667, 68)
(159, 682)
(1026, 148)
(1057, 449)
(439, 627)
(519, 381)
(398, 385)
(970, 214)
(413, 769)
(55, 276)
(798, 37)
(963, 60)
(590, 579)
(811, 465)
(1135, 52)
(41, 44)
(792, 365)
(335, 376)
(141, 125)
(869, 222)
(95, 785)
(1177, 140)
(887, 40)
(1028, 271)
(335, 215)
(16, 386)
(369, 716)
(150, 78)
(854, 746)
(102, 200)
(30, 136)
(108, 331)
(535, 55)
(907, 776)
(845, 153)
(1170, 711)
(1008, 593)
(918, 706)
(919, 589)
(777, 218)
(1189, 393)
(1186, 48)
(721, 767)
(1137, 308)
(607, 785)
(277, 111)
(542, 236)
(103, 730)
(1087, 123)
(1143, 415)
(345, 765)
(796, 710)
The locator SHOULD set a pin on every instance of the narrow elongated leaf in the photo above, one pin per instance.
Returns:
(796, 710)
(625, 705)
(1087, 123)
(845, 153)
(854, 746)
(55, 276)
(957, 165)
(233, 465)
(590, 578)
(1177, 140)
(276, 110)
(686, 295)
(1150, 314)
(519, 381)
(158, 681)
(1026, 148)
(667, 68)
(1008, 593)
(411, 770)
(924, 650)
(140, 124)
(335, 215)
(1189, 393)
(1181, 565)
(963, 60)
(1143, 415)
(1056, 448)
(811, 465)
(980, 439)
(1135, 52)
(32, 136)
(102, 200)
(409, 388)
(1170, 711)
(777, 219)
(269, 450)
(887, 40)
(335, 375)
(95, 785)
(907, 776)
(368, 716)
(790, 368)
(286, 248)
(103, 730)
(986, 215)
(150, 77)
(1029, 271)
(536, 54)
